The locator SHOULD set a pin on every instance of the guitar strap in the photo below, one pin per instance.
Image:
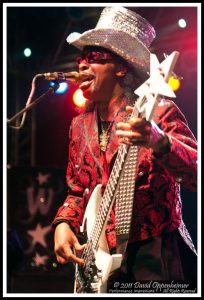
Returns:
(125, 195)
(124, 200)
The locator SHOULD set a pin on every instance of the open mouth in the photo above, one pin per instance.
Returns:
(86, 80)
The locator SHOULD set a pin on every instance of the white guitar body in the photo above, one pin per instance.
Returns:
(105, 262)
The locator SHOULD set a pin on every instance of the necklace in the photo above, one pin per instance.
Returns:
(105, 134)
(105, 126)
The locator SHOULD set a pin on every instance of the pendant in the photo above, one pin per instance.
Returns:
(104, 140)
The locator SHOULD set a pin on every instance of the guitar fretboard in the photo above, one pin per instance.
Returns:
(109, 195)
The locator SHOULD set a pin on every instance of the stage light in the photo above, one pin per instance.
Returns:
(182, 23)
(27, 52)
(63, 87)
(78, 98)
(174, 83)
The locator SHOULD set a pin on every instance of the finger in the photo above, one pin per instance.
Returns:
(138, 122)
(133, 124)
(123, 126)
(130, 134)
(79, 247)
(76, 259)
(61, 260)
(64, 254)
(125, 141)
(65, 257)
(78, 250)
(71, 256)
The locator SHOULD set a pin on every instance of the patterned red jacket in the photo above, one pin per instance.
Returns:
(157, 207)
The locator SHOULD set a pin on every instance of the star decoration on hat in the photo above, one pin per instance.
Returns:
(38, 234)
(42, 178)
(156, 85)
(40, 260)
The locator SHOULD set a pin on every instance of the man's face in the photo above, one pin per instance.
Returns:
(102, 67)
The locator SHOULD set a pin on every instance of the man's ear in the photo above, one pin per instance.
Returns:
(121, 71)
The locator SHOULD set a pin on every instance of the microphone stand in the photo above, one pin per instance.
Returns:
(30, 104)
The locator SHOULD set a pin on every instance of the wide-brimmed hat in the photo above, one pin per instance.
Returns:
(123, 32)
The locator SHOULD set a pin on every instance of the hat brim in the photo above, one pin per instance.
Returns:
(119, 42)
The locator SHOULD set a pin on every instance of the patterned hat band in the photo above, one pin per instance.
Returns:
(123, 32)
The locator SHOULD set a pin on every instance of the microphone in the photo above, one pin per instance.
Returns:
(73, 77)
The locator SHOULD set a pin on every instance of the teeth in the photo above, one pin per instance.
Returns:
(88, 79)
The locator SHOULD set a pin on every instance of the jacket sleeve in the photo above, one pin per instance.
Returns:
(181, 159)
(72, 210)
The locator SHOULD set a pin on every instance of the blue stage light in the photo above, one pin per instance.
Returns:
(63, 87)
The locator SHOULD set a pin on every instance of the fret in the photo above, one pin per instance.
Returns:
(106, 203)
(109, 191)
(114, 174)
(117, 165)
(114, 178)
(112, 185)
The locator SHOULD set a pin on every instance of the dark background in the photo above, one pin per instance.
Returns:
(41, 146)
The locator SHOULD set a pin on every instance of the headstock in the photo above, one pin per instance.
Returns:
(156, 85)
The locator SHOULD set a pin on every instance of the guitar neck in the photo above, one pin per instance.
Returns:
(109, 194)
